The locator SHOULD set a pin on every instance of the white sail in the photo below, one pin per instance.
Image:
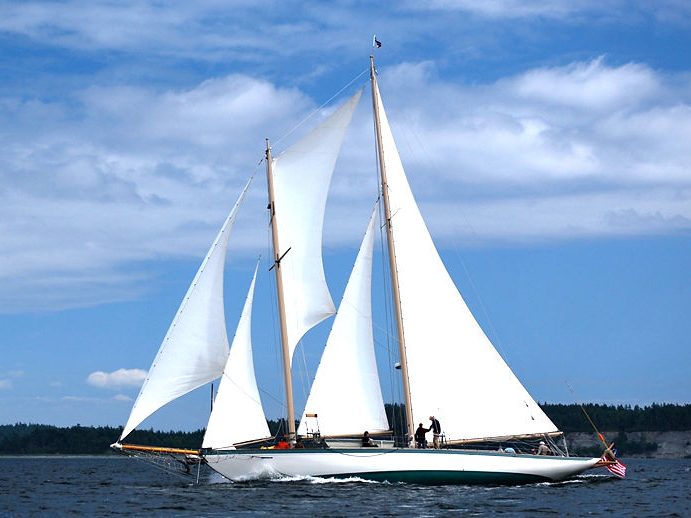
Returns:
(302, 175)
(195, 348)
(346, 394)
(237, 415)
(454, 371)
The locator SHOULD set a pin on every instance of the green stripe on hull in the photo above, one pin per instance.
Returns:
(410, 451)
(446, 477)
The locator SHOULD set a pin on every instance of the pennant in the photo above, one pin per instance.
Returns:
(375, 42)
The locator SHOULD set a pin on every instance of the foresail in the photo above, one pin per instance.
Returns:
(237, 415)
(302, 175)
(346, 394)
(454, 371)
(195, 348)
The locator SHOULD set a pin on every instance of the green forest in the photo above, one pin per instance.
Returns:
(620, 418)
(45, 439)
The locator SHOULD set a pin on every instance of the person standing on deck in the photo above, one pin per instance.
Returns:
(436, 431)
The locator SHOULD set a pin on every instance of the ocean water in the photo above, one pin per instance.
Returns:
(121, 486)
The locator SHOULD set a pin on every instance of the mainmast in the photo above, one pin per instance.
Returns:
(279, 294)
(392, 252)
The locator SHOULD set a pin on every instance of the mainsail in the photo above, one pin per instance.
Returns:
(195, 348)
(237, 415)
(302, 175)
(454, 372)
(346, 394)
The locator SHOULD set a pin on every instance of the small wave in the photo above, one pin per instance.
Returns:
(217, 478)
(581, 479)
(323, 480)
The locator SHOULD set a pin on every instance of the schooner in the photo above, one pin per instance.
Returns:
(475, 394)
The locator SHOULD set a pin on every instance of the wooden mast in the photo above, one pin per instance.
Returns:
(279, 294)
(392, 253)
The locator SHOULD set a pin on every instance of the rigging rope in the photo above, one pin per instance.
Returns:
(599, 435)
(316, 110)
(165, 462)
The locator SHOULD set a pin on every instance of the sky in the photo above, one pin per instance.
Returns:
(546, 142)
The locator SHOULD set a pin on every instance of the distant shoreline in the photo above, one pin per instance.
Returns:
(657, 445)
(653, 445)
(655, 431)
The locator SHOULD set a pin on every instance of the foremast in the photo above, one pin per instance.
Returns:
(280, 296)
(410, 425)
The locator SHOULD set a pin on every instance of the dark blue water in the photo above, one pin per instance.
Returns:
(105, 486)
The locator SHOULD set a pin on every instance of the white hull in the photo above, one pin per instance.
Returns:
(397, 465)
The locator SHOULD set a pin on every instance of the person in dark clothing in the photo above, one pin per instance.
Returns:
(367, 442)
(436, 430)
(420, 439)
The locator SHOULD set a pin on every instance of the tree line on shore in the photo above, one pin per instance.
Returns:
(614, 418)
(46, 439)
(621, 418)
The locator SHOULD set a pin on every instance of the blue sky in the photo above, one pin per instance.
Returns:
(547, 144)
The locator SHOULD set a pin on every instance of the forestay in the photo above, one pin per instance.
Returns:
(454, 371)
(195, 348)
(302, 175)
(346, 394)
(237, 415)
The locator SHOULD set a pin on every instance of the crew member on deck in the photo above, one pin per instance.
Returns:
(543, 449)
(436, 430)
(367, 442)
(420, 439)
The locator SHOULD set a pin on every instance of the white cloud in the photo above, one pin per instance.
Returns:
(117, 184)
(122, 397)
(588, 86)
(219, 31)
(261, 34)
(6, 382)
(561, 124)
(117, 379)
(512, 8)
(571, 216)
(117, 176)
(670, 11)
(568, 152)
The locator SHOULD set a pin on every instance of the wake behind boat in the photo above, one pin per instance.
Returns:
(476, 396)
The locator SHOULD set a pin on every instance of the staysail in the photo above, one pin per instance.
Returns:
(454, 372)
(238, 415)
(195, 348)
(302, 175)
(346, 394)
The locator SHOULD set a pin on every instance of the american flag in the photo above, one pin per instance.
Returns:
(618, 468)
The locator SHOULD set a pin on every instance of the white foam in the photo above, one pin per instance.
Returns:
(322, 480)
